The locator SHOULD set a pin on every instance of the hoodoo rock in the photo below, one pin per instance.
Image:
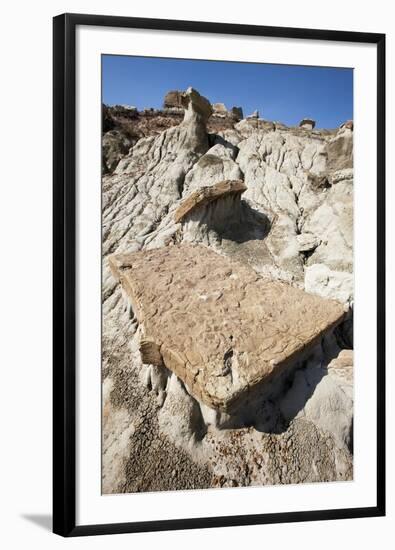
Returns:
(236, 289)
(307, 123)
(205, 195)
(221, 328)
(173, 99)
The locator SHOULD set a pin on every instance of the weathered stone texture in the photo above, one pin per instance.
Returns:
(215, 323)
(205, 195)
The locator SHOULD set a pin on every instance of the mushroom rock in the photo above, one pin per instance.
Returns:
(197, 108)
(210, 213)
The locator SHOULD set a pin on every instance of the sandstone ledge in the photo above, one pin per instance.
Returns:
(204, 195)
(220, 327)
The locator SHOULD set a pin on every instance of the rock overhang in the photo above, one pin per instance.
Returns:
(207, 194)
(221, 328)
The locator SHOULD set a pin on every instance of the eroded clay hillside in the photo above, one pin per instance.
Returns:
(274, 204)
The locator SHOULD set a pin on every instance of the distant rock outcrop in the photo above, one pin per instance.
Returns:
(307, 123)
(206, 195)
(220, 110)
(349, 124)
(255, 114)
(173, 99)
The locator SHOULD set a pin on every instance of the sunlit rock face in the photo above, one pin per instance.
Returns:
(241, 225)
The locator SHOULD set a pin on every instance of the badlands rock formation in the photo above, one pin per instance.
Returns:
(223, 330)
(283, 220)
(307, 123)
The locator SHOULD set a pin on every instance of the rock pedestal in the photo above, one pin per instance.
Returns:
(307, 123)
(205, 195)
(173, 99)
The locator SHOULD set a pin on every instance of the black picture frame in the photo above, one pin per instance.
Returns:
(64, 273)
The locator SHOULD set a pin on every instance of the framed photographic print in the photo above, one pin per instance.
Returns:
(219, 274)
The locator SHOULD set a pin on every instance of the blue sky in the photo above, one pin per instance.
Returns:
(284, 93)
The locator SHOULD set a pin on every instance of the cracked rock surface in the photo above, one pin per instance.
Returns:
(293, 225)
(222, 329)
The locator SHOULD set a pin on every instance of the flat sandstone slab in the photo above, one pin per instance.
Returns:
(219, 326)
